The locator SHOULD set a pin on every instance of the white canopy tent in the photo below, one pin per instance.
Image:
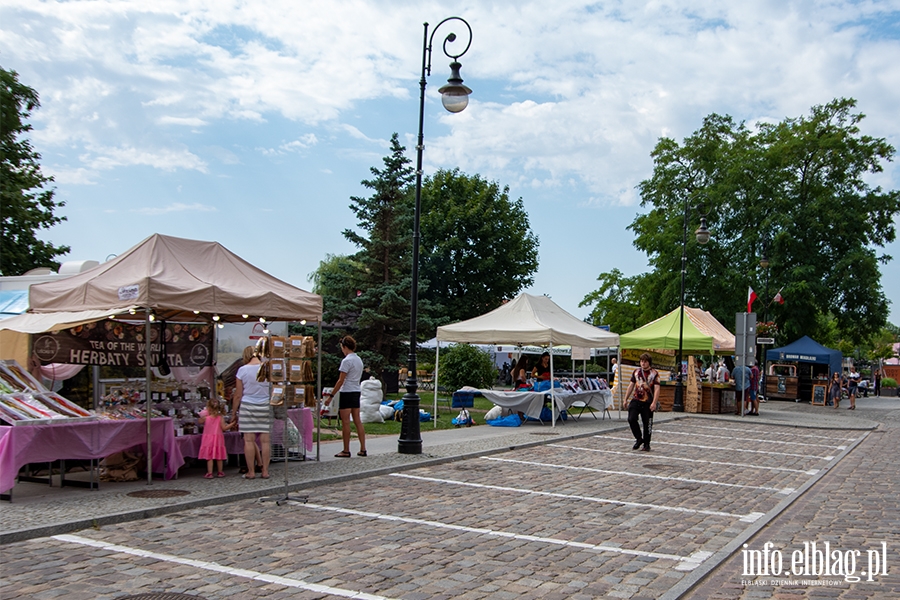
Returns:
(523, 321)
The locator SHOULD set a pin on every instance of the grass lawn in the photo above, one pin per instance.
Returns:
(331, 428)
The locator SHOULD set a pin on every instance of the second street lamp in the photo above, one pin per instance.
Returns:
(702, 235)
(455, 98)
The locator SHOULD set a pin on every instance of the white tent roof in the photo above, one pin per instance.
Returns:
(527, 319)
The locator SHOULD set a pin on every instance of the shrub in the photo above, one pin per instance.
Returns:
(888, 382)
(466, 365)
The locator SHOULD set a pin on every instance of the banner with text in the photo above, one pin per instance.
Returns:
(119, 344)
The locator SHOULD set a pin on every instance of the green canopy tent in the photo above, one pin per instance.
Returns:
(701, 333)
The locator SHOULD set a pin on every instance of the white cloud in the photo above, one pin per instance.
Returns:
(164, 159)
(186, 121)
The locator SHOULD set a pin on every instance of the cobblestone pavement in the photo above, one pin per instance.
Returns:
(852, 508)
(571, 518)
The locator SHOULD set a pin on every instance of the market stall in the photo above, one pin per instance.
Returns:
(793, 372)
(702, 334)
(162, 279)
(526, 320)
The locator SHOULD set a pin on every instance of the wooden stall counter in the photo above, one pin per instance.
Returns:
(782, 387)
(715, 398)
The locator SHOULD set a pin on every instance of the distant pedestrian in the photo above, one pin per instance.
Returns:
(641, 400)
(878, 381)
(754, 387)
(853, 387)
(351, 370)
(836, 389)
(742, 389)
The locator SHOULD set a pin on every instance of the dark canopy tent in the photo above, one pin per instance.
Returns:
(807, 350)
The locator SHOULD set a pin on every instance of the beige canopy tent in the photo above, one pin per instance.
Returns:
(172, 279)
(527, 319)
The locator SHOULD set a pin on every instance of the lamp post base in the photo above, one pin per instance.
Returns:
(410, 441)
(678, 405)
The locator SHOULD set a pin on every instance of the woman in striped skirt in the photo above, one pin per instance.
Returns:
(255, 418)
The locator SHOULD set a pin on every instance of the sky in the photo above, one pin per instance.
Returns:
(253, 122)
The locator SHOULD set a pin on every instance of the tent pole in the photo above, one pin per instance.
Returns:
(437, 357)
(619, 380)
(552, 395)
(147, 374)
(318, 395)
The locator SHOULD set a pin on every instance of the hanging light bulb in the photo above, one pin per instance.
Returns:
(245, 316)
(303, 322)
(266, 331)
(216, 318)
(262, 319)
(196, 312)
(220, 325)
(132, 311)
(152, 317)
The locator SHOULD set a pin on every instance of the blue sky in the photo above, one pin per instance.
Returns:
(252, 123)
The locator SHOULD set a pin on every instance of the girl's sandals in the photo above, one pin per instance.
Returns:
(342, 454)
(362, 453)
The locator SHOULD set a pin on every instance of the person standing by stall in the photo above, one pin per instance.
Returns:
(641, 400)
(742, 389)
(251, 406)
(754, 387)
(878, 381)
(541, 371)
(348, 384)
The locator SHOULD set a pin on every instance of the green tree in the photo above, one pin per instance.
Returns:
(617, 302)
(463, 365)
(796, 188)
(477, 247)
(370, 289)
(27, 205)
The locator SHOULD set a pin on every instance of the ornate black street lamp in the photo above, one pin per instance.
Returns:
(702, 235)
(455, 98)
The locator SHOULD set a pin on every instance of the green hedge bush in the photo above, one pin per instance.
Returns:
(466, 365)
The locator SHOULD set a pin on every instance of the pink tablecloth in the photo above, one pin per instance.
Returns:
(26, 444)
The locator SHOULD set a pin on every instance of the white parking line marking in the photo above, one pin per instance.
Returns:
(662, 477)
(688, 562)
(694, 460)
(749, 518)
(211, 566)
(742, 430)
(721, 448)
(731, 437)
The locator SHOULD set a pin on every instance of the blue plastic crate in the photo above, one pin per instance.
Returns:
(463, 400)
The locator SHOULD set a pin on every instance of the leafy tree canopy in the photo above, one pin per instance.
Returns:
(794, 190)
(27, 206)
(463, 365)
(477, 247)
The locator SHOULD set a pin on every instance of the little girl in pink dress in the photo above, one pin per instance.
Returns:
(212, 444)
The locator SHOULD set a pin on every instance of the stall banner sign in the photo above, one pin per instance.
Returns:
(660, 359)
(120, 344)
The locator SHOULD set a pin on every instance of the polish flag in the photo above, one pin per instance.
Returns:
(778, 297)
(751, 296)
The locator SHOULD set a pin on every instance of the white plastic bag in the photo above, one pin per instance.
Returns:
(370, 401)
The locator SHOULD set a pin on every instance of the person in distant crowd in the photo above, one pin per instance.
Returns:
(722, 374)
(541, 370)
(613, 369)
(863, 387)
(835, 389)
(754, 387)
(641, 400)
(878, 381)
(520, 374)
(853, 387)
(348, 384)
(710, 373)
(251, 406)
(742, 390)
